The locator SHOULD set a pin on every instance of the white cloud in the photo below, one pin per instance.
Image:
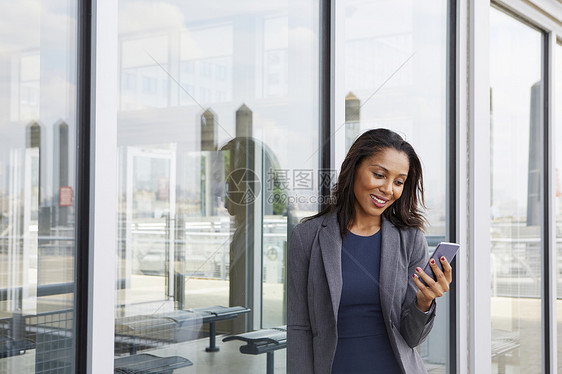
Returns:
(19, 26)
(149, 16)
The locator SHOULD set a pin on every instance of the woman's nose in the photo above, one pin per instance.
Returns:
(386, 187)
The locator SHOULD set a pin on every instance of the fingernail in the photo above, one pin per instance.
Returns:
(432, 262)
(443, 258)
(414, 276)
(418, 269)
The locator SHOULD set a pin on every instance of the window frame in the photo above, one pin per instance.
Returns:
(533, 17)
(99, 247)
(468, 209)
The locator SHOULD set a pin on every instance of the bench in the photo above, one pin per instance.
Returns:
(144, 331)
(262, 341)
(210, 315)
(503, 342)
(11, 347)
(149, 364)
(13, 339)
(155, 329)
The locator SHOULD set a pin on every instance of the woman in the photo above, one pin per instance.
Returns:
(355, 300)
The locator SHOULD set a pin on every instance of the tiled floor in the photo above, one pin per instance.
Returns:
(228, 360)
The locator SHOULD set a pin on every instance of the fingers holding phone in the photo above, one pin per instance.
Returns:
(434, 280)
(445, 276)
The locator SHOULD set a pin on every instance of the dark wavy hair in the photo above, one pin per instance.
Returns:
(404, 212)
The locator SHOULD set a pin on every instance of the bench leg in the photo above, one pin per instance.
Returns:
(270, 362)
(212, 338)
(501, 364)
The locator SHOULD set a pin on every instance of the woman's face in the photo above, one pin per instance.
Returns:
(379, 182)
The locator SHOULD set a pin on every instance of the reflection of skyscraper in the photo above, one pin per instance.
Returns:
(60, 167)
(352, 119)
(212, 166)
(243, 153)
(535, 157)
(208, 131)
(244, 125)
(248, 165)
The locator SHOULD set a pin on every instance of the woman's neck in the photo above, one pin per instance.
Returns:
(365, 226)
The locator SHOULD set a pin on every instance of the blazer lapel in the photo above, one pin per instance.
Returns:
(330, 246)
(390, 248)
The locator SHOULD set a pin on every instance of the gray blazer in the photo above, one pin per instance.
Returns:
(314, 289)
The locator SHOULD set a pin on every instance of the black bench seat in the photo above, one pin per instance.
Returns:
(149, 364)
(11, 347)
(166, 327)
(210, 315)
(503, 343)
(262, 341)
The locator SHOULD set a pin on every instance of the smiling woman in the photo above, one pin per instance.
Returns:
(379, 182)
(365, 328)
(372, 148)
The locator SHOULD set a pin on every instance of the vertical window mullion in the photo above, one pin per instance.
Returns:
(546, 252)
(479, 191)
(326, 123)
(83, 185)
(103, 195)
(549, 180)
(452, 171)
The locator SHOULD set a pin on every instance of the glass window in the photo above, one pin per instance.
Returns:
(218, 118)
(393, 71)
(516, 123)
(558, 193)
(38, 55)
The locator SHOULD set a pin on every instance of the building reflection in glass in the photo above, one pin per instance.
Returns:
(208, 116)
(516, 138)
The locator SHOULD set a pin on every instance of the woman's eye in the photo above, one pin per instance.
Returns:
(378, 175)
(399, 183)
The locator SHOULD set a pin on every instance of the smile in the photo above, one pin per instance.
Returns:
(379, 202)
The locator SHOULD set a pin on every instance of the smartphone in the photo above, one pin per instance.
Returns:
(449, 250)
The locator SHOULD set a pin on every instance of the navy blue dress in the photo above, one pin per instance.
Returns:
(363, 345)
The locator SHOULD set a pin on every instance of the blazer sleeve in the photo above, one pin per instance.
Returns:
(416, 325)
(299, 333)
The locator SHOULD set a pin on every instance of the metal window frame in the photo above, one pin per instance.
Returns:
(461, 329)
(551, 131)
(478, 194)
(452, 167)
(549, 257)
(327, 22)
(81, 302)
(102, 173)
